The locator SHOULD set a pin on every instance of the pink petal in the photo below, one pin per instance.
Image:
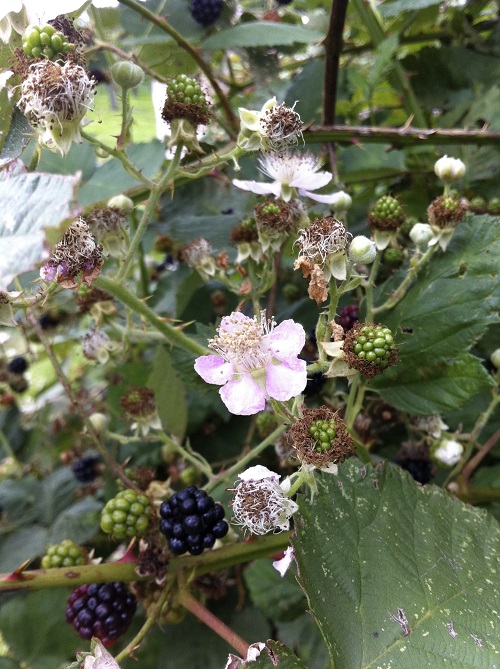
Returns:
(286, 380)
(311, 180)
(244, 397)
(325, 199)
(285, 562)
(213, 369)
(286, 340)
(233, 322)
(257, 187)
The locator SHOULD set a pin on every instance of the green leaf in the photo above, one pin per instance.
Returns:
(170, 394)
(17, 138)
(278, 598)
(385, 59)
(79, 522)
(25, 544)
(57, 494)
(447, 310)
(33, 627)
(261, 33)
(374, 544)
(29, 203)
(395, 8)
(432, 387)
(277, 654)
(5, 117)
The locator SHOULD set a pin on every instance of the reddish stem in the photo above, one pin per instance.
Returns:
(203, 614)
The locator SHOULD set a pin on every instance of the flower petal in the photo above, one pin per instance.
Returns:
(285, 562)
(257, 473)
(287, 339)
(243, 397)
(311, 180)
(325, 199)
(258, 187)
(213, 369)
(286, 380)
(249, 119)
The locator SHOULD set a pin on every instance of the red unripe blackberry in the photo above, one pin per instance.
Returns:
(348, 316)
(101, 610)
(206, 12)
(192, 521)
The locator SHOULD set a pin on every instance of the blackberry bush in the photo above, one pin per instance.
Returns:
(86, 469)
(126, 515)
(65, 554)
(206, 12)
(192, 521)
(104, 611)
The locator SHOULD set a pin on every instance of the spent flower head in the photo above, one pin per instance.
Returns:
(97, 346)
(256, 360)
(447, 452)
(276, 127)
(259, 502)
(55, 99)
(324, 244)
(293, 174)
(444, 214)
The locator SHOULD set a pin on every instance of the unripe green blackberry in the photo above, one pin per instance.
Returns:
(185, 100)
(494, 205)
(478, 204)
(40, 41)
(393, 257)
(290, 292)
(446, 212)
(126, 515)
(324, 433)
(386, 214)
(65, 554)
(370, 348)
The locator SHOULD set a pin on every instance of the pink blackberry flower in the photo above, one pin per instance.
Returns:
(256, 361)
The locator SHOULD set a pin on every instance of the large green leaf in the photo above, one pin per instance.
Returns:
(277, 598)
(447, 310)
(261, 33)
(30, 202)
(170, 394)
(374, 546)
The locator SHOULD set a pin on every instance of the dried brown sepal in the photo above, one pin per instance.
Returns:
(318, 286)
(446, 211)
(95, 295)
(385, 224)
(79, 38)
(304, 444)
(103, 220)
(194, 112)
(246, 231)
(20, 64)
(153, 559)
(368, 369)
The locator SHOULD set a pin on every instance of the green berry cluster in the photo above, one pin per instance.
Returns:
(45, 41)
(270, 208)
(186, 90)
(374, 344)
(393, 256)
(65, 554)
(324, 433)
(126, 515)
(387, 213)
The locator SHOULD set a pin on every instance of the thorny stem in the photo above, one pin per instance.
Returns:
(333, 47)
(354, 400)
(483, 451)
(207, 617)
(123, 55)
(230, 473)
(91, 431)
(400, 292)
(144, 284)
(208, 562)
(197, 460)
(173, 335)
(150, 621)
(194, 53)
(369, 287)
(121, 156)
(154, 196)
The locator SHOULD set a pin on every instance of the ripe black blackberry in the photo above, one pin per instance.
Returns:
(101, 610)
(421, 470)
(18, 365)
(192, 521)
(315, 383)
(85, 469)
(206, 12)
(348, 316)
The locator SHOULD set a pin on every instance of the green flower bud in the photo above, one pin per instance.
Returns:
(495, 358)
(121, 202)
(127, 74)
(362, 250)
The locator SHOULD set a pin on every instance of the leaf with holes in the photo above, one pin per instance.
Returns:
(399, 575)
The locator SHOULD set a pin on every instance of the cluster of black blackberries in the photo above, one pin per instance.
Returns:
(86, 469)
(101, 610)
(206, 12)
(192, 521)
(15, 374)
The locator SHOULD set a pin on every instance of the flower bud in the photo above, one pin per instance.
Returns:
(362, 250)
(421, 234)
(99, 422)
(447, 452)
(121, 202)
(342, 201)
(495, 358)
(449, 169)
(127, 74)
